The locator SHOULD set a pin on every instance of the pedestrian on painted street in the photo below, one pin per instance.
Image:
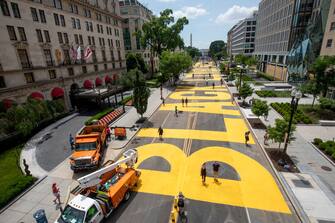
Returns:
(108, 133)
(176, 111)
(186, 101)
(232, 99)
(216, 167)
(203, 173)
(246, 136)
(221, 81)
(213, 84)
(163, 101)
(71, 141)
(193, 76)
(56, 193)
(182, 102)
(160, 132)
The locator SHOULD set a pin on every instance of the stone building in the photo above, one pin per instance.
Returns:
(134, 15)
(39, 41)
(328, 43)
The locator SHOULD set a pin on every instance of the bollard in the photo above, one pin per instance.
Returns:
(40, 217)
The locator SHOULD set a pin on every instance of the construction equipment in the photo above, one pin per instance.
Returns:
(100, 192)
(89, 147)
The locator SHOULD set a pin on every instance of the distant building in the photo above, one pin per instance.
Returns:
(229, 42)
(328, 43)
(36, 41)
(134, 15)
(241, 38)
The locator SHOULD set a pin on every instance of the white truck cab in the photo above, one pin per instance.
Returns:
(81, 209)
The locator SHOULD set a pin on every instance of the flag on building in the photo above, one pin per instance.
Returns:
(73, 53)
(79, 53)
(87, 53)
(58, 54)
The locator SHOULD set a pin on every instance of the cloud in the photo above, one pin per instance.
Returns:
(166, 0)
(190, 12)
(234, 14)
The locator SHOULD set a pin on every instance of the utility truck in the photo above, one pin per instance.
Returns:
(90, 143)
(100, 192)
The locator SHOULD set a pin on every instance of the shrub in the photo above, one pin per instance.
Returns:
(328, 147)
(317, 141)
(285, 110)
(333, 156)
(327, 103)
(268, 93)
(98, 116)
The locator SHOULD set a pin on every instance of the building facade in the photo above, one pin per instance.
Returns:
(273, 36)
(229, 42)
(39, 42)
(328, 43)
(241, 37)
(134, 15)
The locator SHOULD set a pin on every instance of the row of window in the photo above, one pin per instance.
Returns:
(5, 9)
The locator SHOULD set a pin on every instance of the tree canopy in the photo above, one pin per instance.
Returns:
(136, 61)
(162, 33)
(173, 63)
(278, 132)
(260, 108)
(217, 49)
(245, 90)
(246, 60)
(324, 70)
(141, 92)
(193, 52)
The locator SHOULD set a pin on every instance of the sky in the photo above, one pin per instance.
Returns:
(209, 20)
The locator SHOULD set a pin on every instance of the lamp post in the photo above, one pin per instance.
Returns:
(296, 95)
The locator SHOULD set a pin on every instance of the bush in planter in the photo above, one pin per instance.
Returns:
(317, 141)
(333, 156)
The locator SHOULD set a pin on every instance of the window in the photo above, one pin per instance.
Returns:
(34, 14)
(95, 68)
(16, 11)
(103, 53)
(76, 40)
(78, 24)
(67, 59)
(89, 40)
(70, 71)
(105, 66)
(113, 65)
(22, 34)
(56, 19)
(47, 36)
(58, 4)
(84, 69)
(52, 74)
(87, 26)
(332, 26)
(73, 23)
(98, 28)
(94, 56)
(75, 9)
(329, 43)
(62, 20)
(91, 212)
(112, 55)
(29, 77)
(66, 38)
(42, 16)
(24, 59)
(11, 33)
(60, 37)
(93, 41)
(4, 8)
(39, 35)
(2, 82)
(81, 40)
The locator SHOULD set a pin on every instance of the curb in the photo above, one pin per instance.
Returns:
(295, 204)
(22, 194)
(322, 154)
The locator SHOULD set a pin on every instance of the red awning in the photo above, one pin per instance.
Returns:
(107, 79)
(37, 95)
(8, 103)
(88, 84)
(57, 92)
(98, 81)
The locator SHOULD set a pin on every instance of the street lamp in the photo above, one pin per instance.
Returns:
(296, 95)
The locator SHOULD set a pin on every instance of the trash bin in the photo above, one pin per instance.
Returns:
(40, 216)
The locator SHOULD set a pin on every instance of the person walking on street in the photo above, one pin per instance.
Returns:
(246, 136)
(213, 84)
(56, 193)
(216, 167)
(182, 102)
(71, 140)
(160, 132)
(186, 101)
(203, 173)
(163, 101)
(176, 111)
(108, 133)
(221, 81)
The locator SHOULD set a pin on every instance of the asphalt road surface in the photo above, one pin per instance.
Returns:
(210, 128)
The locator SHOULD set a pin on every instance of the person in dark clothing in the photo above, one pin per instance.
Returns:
(163, 101)
(216, 167)
(203, 173)
(176, 111)
(213, 84)
(71, 140)
(160, 132)
(182, 102)
(186, 101)
(246, 136)
(221, 81)
(108, 133)
(181, 202)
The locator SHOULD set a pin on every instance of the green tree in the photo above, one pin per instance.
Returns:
(173, 63)
(245, 91)
(217, 49)
(278, 132)
(142, 66)
(260, 108)
(161, 33)
(141, 94)
(324, 71)
(193, 52)
(310, 87)
(131, 61)
(128, 79)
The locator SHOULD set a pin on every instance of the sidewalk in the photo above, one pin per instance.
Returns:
(40, 196)
(314, 178)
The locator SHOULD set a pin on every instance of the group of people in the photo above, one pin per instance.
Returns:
(203, 172)
(184, 101)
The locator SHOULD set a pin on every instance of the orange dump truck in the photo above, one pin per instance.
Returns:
(89, 147)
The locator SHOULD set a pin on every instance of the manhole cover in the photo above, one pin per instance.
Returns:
(302, 183)
(326, 168)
